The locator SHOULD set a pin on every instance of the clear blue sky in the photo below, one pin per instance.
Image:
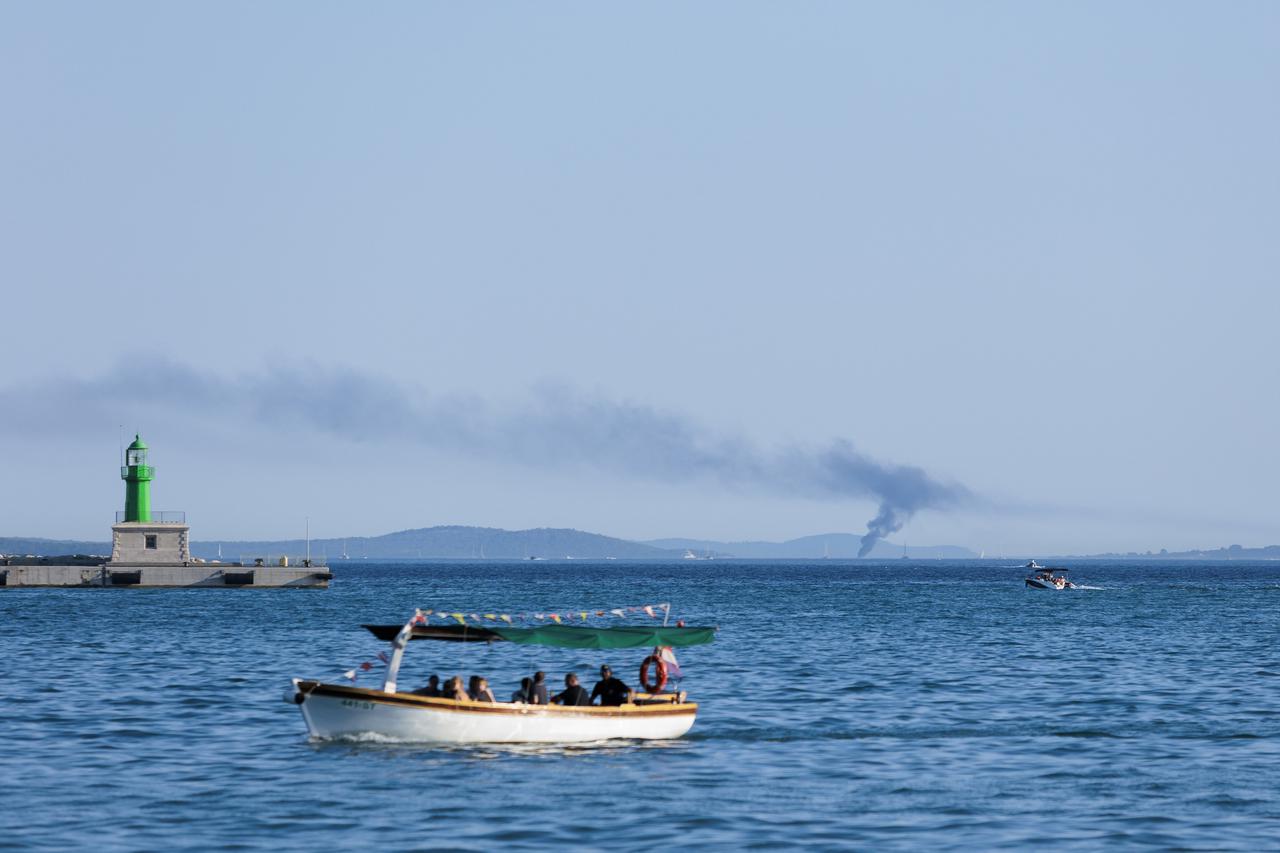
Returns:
(1030, 248)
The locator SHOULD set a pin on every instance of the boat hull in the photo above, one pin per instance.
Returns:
(338, 712)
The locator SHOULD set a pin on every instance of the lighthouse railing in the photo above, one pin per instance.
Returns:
(167, 516)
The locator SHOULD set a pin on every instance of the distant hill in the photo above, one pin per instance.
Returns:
(460, 542)
(557, 543)
(1231, 552)
(835, 545)
(16, 545)
(455, 542)
(451, 542)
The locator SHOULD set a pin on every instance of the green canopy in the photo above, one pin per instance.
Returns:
(581, 637)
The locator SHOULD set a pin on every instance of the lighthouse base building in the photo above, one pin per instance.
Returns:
(153, 549)
(142, 543)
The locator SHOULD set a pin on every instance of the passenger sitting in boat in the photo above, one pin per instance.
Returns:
(480, 691)
(432, 688)
(526, 688)
(453, 688)
(610, 690)
(538, 692)
(573, 694)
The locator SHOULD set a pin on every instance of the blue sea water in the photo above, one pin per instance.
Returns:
(844, 705)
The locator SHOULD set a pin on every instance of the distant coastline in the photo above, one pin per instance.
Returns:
(483, 543)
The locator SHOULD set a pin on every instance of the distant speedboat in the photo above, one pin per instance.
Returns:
(1032, 565)
(689, 555)
(1044, 578)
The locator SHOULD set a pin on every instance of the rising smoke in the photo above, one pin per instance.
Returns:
(557, 428)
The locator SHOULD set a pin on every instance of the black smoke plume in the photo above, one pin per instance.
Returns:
(556, 428)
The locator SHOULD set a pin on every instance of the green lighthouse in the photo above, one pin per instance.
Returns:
(142, 536)
(137, 476)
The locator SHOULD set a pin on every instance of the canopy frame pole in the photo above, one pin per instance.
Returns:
(397, 653)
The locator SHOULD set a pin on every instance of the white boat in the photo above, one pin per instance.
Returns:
(336, 711)
(346, 711)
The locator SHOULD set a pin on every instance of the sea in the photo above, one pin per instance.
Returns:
(844, 705)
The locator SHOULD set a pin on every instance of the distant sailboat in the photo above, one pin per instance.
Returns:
(344, 550)
(826, 550)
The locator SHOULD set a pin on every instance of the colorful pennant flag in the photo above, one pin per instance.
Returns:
(668, 656)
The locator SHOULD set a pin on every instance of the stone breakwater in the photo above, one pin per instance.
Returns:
(111, 576)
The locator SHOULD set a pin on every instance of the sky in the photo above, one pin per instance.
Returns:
(726, 270)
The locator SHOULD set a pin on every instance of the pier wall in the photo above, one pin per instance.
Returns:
(141, 576)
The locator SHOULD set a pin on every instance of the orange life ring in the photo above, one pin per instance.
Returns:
(660, 675)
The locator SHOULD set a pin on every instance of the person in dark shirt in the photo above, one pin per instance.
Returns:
(610, 690)
(573, 694)
(526, 689)
(538, 692)
(432, 688)
(483, 693)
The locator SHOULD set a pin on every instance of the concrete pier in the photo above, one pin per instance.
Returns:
(152, 548)
(118, 576)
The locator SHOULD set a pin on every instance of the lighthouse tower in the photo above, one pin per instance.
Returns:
(137, 475)
(140, 536)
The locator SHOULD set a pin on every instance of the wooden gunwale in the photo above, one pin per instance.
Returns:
(317, 688)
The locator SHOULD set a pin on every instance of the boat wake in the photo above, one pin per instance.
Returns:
(360, 737)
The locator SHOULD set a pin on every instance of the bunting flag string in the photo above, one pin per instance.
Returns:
(380, 660)
(561, 617)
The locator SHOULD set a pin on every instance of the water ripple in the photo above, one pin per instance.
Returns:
(843, 706)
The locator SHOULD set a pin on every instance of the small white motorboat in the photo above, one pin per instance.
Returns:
(346, 711)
